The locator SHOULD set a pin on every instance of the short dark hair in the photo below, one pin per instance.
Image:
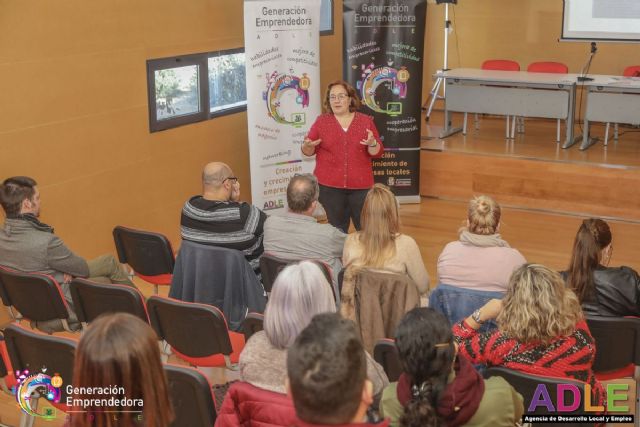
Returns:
(302, 191)
(327, 369)
(13, 191)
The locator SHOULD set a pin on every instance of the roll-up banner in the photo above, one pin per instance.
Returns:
(282, 50)
(383, 48)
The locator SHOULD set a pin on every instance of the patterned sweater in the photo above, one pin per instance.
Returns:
(233, 225)
(568, 356)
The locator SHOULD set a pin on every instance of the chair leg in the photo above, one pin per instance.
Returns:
(558, 131)
(464, 124)
(476, 121)
(230, 366)
(606, 134)
(507, 131)
(514, 121)
(636, 377)
(615, 131)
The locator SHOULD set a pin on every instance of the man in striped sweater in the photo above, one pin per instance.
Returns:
(218, 218)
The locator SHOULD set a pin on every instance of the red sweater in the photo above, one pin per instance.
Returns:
(568, 356)
(341, 161)
(246, 405)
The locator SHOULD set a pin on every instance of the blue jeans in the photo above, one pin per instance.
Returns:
(458, 303)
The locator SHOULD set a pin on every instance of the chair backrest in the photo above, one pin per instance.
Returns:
(195, 330)
(148, 253)
(386, 354)
(617, 342)
(458, 303)
(526, 385)
(91, 299)
(632, 71)
(548, 67)
(34, 351)
(252, 323)
(191, 397)
(500, 64)
(270, 267)
(217, 276)
(37, 297)
(380, 301)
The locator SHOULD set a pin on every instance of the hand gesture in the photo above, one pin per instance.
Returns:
(312, 144)
(370, 140)
(66, 278)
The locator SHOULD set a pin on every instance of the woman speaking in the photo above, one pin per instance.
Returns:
(344, 142)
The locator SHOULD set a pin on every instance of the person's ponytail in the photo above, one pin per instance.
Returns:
(421, 409)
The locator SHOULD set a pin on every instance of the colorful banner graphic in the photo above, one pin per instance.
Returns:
(383, 53)
(282, 50)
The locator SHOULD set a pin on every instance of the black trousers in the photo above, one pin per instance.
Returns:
(342, 205)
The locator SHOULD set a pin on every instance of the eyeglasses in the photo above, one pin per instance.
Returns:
(340, 96)
(230, 178)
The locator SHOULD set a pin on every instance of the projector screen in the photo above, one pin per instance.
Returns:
(601, 20)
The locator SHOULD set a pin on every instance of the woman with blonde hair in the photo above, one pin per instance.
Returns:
(380, 245)
(602, 290)
(119, 353)
(541, 330)
(480, 259)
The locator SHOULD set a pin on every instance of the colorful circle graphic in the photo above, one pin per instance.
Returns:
(36, 384)
(372, 77)
(277, 84)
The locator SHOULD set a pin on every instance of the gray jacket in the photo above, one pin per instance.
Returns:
(25, 247)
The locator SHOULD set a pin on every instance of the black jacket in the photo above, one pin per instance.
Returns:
(617, 292)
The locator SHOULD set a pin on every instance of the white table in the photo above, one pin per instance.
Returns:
(510, 93)
(610, 99)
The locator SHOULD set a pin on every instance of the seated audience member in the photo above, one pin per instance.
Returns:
(541, 330)
(480, 259)
(297, 235)
(218, 218)
(29, 245)
(380, 246)
(327, 374)
(602, 290)
(120, 352)
(300, 292)
(437, 387)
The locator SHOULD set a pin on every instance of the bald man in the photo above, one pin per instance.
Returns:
(218, 218)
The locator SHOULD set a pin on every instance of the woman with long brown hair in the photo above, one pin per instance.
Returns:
(118, 379)
(602, 290)
(380, 245)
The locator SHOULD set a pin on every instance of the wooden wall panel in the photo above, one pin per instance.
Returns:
(74, 110)
(554, 186)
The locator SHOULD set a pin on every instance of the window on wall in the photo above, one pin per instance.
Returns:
(191, 88)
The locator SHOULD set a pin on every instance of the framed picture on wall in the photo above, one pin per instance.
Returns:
(326, 17)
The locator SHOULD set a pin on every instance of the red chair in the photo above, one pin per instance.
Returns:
(33, 351)
(498, 65)
(91, 299)
(37, 297)
(192, 397)
(630, 71)
(197, 333)
(617, 348)
(548, 67)
(149, 254)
